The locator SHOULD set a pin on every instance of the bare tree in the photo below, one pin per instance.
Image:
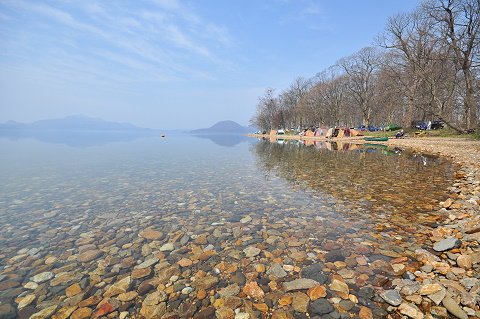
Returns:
(361, 69)
(421, 66)
(457, 22)
(266, 116)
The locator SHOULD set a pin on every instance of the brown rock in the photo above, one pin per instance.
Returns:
(127, 296)
(465, 262)
(140, 273)
(202, 293)
(282, 314)
(300, 302)
(110, 305)
(90, 301)
(65, 312)
(429, 289)
(81, 313)
(119, 287)
(205, 282)
(151, 234)
(365, 313)
(185, 262)
(8, 285)
(224, 313)
(286, 300)
(156, 311)
(317, 292)
(28, 299)
(340, 288)
(252, 290)
(261, 306)
(73, 290)
(89, 255)
(233, 302)
(45, 313)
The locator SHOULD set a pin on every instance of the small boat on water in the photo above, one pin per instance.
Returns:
(376, 139)
(376, 145)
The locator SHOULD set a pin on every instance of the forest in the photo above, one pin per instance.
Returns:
(424, 66)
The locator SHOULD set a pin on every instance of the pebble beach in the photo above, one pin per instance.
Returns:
(182, 265)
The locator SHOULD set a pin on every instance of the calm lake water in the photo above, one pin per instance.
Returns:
(221, 177)
(61, 192)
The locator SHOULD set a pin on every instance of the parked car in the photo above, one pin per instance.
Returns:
(419, 125)
(436, 125)
(372, 128)
(392, 127)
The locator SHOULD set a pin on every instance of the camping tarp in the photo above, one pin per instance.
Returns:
(330, 132)
(354, 132)
(309, 133)
(321, 131)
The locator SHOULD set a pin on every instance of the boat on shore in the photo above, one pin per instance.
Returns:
(376, 139)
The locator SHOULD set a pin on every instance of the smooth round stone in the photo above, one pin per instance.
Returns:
(447, 244)
(453, 307)
(167, 247)
(187, 290)
(321, 306)
(346, 304)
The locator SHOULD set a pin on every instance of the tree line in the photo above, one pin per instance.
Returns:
(424, 66)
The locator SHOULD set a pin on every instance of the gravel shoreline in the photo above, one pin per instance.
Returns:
(446, 285)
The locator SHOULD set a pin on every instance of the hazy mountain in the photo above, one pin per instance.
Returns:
(225, 127)
(77, 123)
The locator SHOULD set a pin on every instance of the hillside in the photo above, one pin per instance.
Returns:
(77, 123)
(225, 127)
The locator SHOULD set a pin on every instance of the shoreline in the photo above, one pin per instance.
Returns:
(446, 284)
(461, 150)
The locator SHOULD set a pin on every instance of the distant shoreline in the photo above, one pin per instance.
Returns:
(460, 150)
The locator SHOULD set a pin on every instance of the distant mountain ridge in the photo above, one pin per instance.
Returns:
(225, 127)
(74, 123)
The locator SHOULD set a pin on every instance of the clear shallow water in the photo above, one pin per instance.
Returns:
(93, 211)
(49, 185)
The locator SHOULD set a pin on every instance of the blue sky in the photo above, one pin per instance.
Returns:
(169, 64)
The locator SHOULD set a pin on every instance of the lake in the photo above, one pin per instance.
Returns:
(89, 209)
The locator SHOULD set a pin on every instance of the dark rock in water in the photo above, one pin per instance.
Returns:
(144, 288)
(239, 278)
(207, 313)
(379, 312)
(7, 311)
(26, 312)
(334, 256)
(187, 310)
(300, 316)
(321, 306)
(366, 292)
(315, 272)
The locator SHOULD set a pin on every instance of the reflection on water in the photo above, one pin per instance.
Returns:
(75, 139)
(359, 176)
(348, 205)
(228, 140)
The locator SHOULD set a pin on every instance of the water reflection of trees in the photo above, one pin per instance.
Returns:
(359, 176)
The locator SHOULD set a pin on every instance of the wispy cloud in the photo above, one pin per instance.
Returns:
(165, 36)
